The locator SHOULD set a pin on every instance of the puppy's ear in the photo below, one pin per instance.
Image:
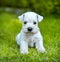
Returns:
(21, 17)
(39, 18)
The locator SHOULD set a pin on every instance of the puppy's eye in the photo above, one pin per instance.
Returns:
(25, 22)
(34, 22)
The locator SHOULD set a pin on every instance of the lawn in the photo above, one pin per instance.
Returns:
(10, 26)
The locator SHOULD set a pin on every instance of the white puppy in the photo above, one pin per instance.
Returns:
(30, 33)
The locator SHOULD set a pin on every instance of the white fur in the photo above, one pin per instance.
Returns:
(25, 38)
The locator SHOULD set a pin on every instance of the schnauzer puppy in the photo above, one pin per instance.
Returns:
(30, 34)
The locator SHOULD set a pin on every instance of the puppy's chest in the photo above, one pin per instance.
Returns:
(31, 38)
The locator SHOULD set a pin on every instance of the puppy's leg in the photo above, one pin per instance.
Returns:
(24, 47)
(39, 46)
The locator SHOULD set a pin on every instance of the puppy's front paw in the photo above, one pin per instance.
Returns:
(24, 51)
(42, 50)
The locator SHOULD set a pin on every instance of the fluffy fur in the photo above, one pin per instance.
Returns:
(27, 38)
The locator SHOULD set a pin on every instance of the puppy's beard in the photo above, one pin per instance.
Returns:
(34, 31)
(31, 32)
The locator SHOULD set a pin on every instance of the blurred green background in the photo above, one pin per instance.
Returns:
(10, 26)
(43, 7)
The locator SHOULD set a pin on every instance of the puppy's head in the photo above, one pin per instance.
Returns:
(30, 22)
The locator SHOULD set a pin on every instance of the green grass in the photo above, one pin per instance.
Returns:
(10, 26)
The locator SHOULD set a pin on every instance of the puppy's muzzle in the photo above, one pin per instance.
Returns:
(29, 29)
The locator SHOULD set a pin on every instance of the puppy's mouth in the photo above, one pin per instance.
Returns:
(31, 32)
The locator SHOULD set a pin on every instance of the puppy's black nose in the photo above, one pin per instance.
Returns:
(29, 29)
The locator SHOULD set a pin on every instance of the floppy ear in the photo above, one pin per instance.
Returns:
(21, 17)
(39, 18)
